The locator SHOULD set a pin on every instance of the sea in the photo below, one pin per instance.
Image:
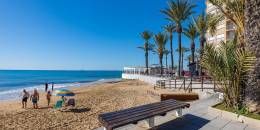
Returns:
(12, 82)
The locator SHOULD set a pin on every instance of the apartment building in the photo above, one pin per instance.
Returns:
(225, 28)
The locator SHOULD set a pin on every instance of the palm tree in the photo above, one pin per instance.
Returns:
(229, 65)
(196, 57)
(189, 58)
(183, 50)
(170, 29)
(166, 53)
(197, 54)
(191, 33)
(205, 23)
(178, 12)
(160, 40)
(146, 35)
(234, 10)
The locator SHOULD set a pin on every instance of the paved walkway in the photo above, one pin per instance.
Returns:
(198, 118)
(194, 118)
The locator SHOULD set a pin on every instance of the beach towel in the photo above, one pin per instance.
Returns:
(58, 104)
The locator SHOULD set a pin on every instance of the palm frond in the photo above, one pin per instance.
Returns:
(166, 52)
(170, 28)
(228, 64)
(178, 10)
(183, 49)
(191, 32)
(160, 41)
(146, 35)
(141, 47)
(205, 23)
(233, 10)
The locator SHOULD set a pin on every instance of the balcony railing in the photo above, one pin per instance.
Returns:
(151, 71)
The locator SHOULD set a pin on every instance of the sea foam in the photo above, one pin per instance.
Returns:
(14, 94)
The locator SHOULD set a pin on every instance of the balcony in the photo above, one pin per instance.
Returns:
(230, 27)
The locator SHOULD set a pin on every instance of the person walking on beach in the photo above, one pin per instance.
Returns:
(35, 98)
(46, 87)
(26, 95)
(52, 87)
(48, 97)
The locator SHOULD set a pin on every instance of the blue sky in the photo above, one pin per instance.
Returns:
(79, 34)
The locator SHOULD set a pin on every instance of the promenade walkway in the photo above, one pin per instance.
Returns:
(198, 118)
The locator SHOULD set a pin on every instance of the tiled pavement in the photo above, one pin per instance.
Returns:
(198, 118)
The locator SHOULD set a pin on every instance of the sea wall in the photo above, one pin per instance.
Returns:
(148, 79)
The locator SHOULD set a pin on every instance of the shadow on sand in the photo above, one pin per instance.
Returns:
(79, 110)
(187, 122)
(44, 107)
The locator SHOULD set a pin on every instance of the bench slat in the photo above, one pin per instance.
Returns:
(132, 115)
(138, 109)
(135, 108)
(149, 113)
(142, 117)
(141, 111)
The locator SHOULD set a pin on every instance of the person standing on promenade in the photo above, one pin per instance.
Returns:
(26, 95)
(46, 87)
(48, 97)
(35, 98)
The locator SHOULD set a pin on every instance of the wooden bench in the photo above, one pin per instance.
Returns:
(132, 115)
(180, 96)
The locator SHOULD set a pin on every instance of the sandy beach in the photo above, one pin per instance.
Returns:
(90, 102)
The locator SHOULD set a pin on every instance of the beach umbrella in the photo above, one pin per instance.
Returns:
(64, 92)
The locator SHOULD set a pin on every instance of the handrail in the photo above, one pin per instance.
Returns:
(183, 84)
(188, 87)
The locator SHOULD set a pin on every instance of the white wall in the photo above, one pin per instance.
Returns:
(148, 79)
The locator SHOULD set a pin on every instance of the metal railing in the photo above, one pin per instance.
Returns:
(151, 71)
(187, 83)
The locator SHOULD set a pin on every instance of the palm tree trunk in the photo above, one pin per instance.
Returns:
(146, 58)
(192, 67)
(146, 62)
(252, 42)
(172, 61)
(182, 55)
(161, 65)
(179, 30)
(202, 41)
(192, 52)
(166, 63)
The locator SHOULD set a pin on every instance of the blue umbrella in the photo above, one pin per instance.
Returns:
(64, 92)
